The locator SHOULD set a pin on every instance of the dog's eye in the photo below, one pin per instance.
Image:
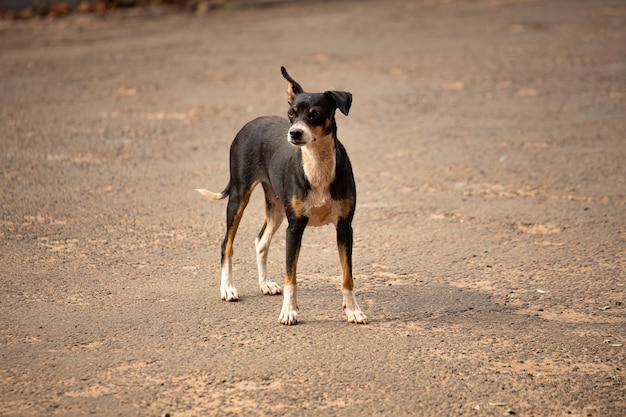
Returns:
(314, 115)
(291, 114)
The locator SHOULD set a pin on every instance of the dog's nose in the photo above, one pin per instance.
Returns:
(295, 134)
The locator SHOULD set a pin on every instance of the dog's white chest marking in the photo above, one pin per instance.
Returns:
(319, 161)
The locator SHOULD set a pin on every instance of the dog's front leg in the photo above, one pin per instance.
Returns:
(289, 312)
(344, 245)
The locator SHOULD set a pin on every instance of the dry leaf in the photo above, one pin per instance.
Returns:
(539, 229)
(127, 91)
(527, 92)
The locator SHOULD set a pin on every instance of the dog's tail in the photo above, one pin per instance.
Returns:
(214, 196)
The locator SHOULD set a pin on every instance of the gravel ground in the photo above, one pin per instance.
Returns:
(487, 140)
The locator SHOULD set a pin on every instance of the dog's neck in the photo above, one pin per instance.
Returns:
(319, 160)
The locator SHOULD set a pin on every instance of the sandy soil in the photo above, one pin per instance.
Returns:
(487, 139)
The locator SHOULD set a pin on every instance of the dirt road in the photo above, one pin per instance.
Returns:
(488, 144)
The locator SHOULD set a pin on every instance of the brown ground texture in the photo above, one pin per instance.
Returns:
(488, 145)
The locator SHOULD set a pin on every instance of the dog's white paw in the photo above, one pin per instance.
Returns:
(229, 293)
(227, 289)
(350, 306)
(270, 288)
(289, 312)
(356, 316)
(288, 317)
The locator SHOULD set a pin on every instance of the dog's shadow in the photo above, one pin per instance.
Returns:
(384, 304)
(417, 302)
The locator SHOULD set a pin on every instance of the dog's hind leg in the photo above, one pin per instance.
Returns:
(274, 216)
(237, 202)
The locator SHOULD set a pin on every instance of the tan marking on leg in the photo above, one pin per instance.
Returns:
(298, 206)
(290, 276)
(346, 206)
(228, 252)
(228, 290)
(348, 280)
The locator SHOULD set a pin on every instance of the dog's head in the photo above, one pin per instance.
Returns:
(312, 115)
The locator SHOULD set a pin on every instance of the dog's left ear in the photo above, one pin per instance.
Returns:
(293, 89)
(342, 99)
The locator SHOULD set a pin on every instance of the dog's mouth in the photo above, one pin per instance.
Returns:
(299, 142)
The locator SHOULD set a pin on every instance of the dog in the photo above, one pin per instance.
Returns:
(306, 176)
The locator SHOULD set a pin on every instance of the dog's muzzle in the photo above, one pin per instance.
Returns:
(299, 135)
(296, 137)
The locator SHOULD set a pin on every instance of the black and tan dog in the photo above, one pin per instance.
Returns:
(307, 177)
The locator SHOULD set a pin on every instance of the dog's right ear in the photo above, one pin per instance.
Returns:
(293, 89)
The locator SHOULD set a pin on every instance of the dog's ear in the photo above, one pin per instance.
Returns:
(293, 89)
(342, 99)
